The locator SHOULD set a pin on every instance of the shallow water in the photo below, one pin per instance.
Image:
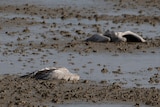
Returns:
(133, 66)
(102, 6)
(146, 30)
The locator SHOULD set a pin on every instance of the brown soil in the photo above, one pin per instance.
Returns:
(16, 91)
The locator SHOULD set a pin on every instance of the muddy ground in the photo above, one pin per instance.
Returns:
(63, 39)
(19, 34)
(16, 91)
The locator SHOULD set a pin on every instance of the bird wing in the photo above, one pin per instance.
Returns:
(98, 38)
(132, 37)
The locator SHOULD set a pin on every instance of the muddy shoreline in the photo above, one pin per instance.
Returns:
(34, 36)
(64, 40)
(29, 92)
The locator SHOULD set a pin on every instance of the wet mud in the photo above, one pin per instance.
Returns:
(16, 91)
(68, 38)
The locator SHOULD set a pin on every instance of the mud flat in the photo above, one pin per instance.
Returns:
(16, 91)
(47, 33)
